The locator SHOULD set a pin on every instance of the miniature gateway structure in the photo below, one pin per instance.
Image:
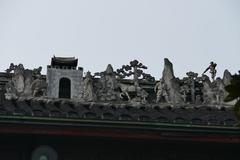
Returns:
(63, 80)
(64, 115)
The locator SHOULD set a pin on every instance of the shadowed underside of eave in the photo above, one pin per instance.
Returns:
(117, 129)
(66, 110)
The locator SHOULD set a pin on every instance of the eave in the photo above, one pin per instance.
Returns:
(118, 129)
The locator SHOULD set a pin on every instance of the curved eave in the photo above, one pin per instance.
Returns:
(58, 61)
(118, 129)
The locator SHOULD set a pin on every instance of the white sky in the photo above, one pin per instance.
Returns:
(191, 33)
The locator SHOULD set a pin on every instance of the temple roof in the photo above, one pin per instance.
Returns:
(64, 61)
(193, 105)
(63, 117)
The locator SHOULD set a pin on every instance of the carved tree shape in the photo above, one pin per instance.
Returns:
(135, 70)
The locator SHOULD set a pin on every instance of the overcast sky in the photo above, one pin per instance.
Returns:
(191, 33)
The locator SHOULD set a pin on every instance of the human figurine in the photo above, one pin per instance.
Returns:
(143, 94)
(11, 92)
(18, 76)
(88, 94)
(212, 70)
(161, 90)
(38, 87)
(109, 84)
(219, 91)
(184, 90)
(37, 71)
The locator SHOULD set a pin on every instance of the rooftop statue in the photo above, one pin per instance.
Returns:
(18, 76)
(88, 92)
(212, 70)
(214, 92)
(207, 90)
(191, 82)
(162, 91)
(108, 85)
(37, 72)
(11, 91)
(38, 86)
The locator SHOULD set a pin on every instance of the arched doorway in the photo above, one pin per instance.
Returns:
(64, 88)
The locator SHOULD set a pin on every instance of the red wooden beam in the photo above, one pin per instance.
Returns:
(116, 133)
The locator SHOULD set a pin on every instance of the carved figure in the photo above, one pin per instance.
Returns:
(219, 89)
(11, 92)
(88, 94)
(23, 84)
(18, 76)
(161, 90)
(139, 92)
(36, 72)
(184, 90)
(142, 94)
(109, 85)
(28, 79)
(209, 96)
(38, 87)
(213, 92)
(16, 85)
(212, 70)
(125, 89)
(191, 81)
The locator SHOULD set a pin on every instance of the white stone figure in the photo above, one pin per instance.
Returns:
(220, 91)
(209, 96)
(11, 92)
(88, 94)
(16, 85)
(161, 91)
(38, 87)
(107, 91)
(18, 76)
(184, 90)
(142, 94)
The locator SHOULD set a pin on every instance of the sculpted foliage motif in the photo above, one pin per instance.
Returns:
(135, 69)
